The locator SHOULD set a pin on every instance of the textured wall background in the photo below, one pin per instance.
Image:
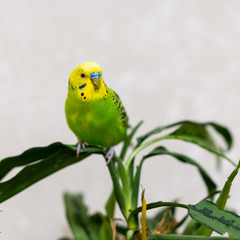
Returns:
(168, 60)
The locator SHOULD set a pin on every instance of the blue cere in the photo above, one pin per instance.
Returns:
(83, 86)
(95, 75)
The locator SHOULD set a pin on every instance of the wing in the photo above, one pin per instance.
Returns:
(118, 103)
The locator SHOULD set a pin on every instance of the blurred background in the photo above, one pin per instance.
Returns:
(167, 60)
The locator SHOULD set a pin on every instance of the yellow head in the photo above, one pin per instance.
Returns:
(86, 80)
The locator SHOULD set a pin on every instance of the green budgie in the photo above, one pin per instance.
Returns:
(94, 112)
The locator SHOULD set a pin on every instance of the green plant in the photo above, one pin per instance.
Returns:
(201, 219)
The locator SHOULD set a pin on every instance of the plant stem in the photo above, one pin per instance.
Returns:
(144, 217)
(130, 234)
(133, 217)
(126, 189)
(120, 197)
(158, 204)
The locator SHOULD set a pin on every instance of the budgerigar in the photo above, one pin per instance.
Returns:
(94, 112)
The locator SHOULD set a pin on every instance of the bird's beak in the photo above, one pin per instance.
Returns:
(95, 78)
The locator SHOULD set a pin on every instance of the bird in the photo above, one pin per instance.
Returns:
(94, 112)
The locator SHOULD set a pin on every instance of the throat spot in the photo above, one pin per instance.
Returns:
(83, 86)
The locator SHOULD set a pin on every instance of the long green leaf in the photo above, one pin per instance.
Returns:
(188, 131)
(110, 205)
(136, 185)
(211, 186)
(199, 135)
(125, 182)
(223, 197)
(34, 172)
(29, 156)
(192, 129)
(155, 131)
(208, 214)
(128, 140)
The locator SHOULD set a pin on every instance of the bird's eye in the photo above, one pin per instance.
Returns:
(82, 75)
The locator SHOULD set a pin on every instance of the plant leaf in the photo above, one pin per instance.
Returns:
(128, 140)
(105, 231)
(223, 197)
(221, 201)
(77, 215)
(192, 132)
(84, 226)
(36, 171)
(123, 173)
(211, 186)
(224, 132)
(101, 226)
(192, 128)
(29, 156)
(198, 134)
(110, 205)
(191, 227)
(157, 130)
(208, 214)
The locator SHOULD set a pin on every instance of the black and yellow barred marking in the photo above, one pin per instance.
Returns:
(123, 115)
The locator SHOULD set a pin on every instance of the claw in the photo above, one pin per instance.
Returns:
(80, 146)
(109, 155)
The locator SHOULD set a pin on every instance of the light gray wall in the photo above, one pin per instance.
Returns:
(168, 60)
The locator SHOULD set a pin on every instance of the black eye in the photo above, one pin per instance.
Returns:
(82, 75)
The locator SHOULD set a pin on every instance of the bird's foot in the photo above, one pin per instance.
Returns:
(109, 155)
(80, 145)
